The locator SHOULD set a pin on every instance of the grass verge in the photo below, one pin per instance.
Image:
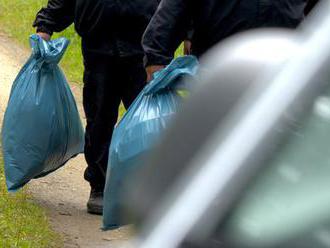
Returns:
(23, 223)
(16, 18)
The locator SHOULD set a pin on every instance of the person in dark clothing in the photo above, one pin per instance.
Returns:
(212, 21)
(111, 34)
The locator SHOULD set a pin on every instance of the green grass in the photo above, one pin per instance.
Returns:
(179, 51)
(16, 18)
(23, 223)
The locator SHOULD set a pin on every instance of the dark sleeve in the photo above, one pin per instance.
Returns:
(310, 5)
(57, 16)
(166, 30)
(190, 31)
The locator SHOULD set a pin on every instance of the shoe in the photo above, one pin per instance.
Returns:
(95, 201)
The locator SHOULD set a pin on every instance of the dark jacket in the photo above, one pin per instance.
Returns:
(213, 20)
(310, 5)
(107, 27)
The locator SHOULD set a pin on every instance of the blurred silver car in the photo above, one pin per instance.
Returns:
(247, 161)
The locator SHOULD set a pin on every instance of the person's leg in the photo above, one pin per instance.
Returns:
(134, 79)
(101, 99)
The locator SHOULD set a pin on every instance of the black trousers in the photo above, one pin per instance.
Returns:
(107, 82)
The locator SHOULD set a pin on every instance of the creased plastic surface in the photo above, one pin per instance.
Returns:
(41, 129)
(140, 129)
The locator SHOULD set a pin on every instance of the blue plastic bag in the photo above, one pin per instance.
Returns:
(41, 129)
(140, 129)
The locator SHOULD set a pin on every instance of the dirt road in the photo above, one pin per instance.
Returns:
(63, 193)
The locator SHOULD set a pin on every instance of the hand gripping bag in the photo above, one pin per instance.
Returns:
(140, 129)
(41, 128)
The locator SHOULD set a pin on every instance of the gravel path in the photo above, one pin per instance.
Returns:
(64, 193)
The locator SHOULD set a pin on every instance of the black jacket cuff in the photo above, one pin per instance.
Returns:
(152, 59)
(44, 29)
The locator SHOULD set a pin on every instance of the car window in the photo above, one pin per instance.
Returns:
(289, 201)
